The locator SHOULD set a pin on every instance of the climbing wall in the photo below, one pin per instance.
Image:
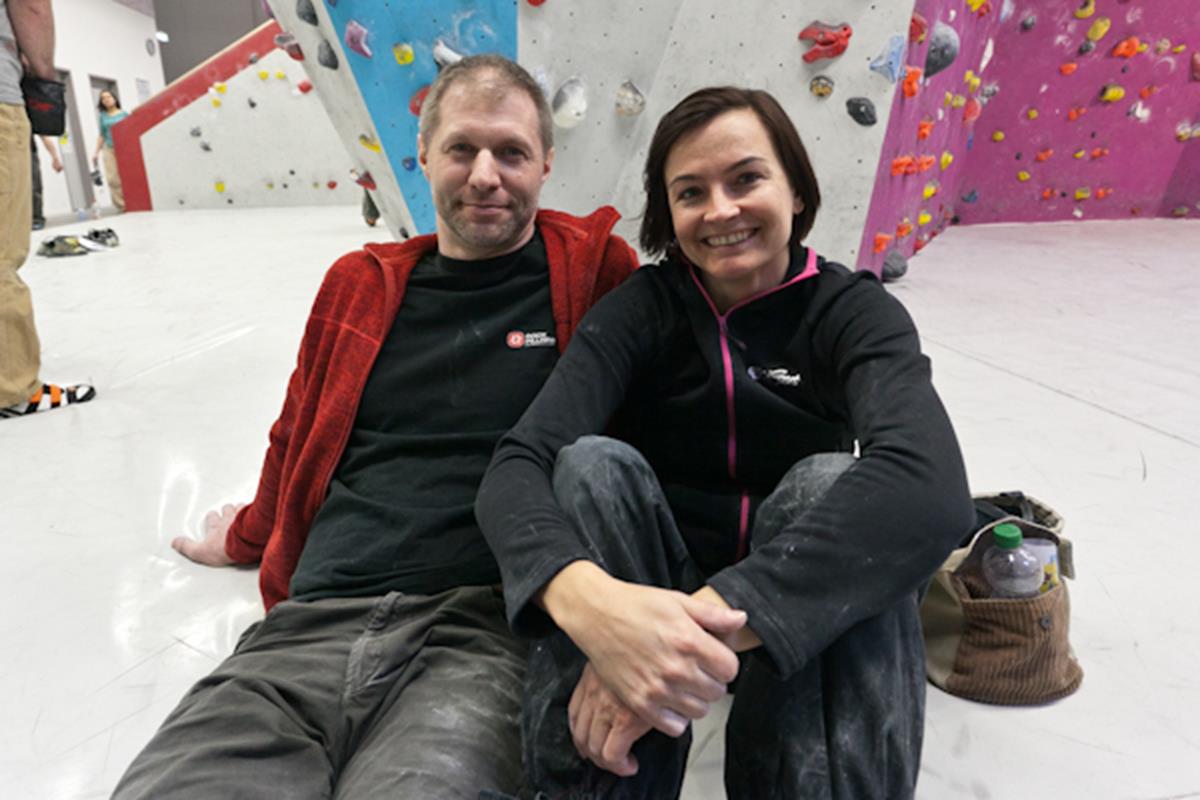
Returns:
(611, 69)
(1049, 111)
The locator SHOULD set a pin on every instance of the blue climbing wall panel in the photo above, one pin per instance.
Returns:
(397, 30)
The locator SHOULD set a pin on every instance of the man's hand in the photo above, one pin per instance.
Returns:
(659, 651)
(210, 550)
(56, 163)
(604, 728)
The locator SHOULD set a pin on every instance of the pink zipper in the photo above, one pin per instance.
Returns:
(810, 269)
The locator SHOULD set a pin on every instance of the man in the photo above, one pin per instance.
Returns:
(39, 216)
(384, 666)
(26, 28)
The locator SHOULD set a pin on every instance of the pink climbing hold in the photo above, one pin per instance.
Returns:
(356, 39)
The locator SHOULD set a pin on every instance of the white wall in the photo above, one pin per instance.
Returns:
(107, 40)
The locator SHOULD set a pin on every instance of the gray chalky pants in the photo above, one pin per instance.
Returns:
(847, 726)
(401, 696)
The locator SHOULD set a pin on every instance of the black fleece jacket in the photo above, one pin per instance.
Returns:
(722, 406)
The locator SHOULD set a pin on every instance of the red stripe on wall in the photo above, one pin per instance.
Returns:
(127, 134)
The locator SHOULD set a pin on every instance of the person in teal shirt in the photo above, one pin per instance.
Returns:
(110, 114)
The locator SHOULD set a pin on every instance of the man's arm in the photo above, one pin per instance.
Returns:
(55, 161)
(33, 27)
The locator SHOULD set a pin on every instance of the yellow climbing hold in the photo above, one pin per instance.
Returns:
(270, 184)
(1099, 28)
(930, 190)
(263, 74)
(216, 101)
(369, 143)
(949, 99)
(1143, 47)
(924, 218)
(1083, 194)
(1086, 9)
(1179, 48)
(1023, 176)
(220, 187)
(975, 5)
(972, 80)
(1032, 113)
(947, 159)
(959, 101)
(997, 136)
(1080, 153)
(404, 54)
(220, 87)
(281, 75)
(1112, 93)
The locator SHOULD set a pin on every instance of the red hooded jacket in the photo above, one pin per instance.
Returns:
(349, 322)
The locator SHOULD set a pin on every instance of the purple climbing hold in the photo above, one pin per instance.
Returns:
(356, 39)
(325, 55)
(306, 12)
(409, 163)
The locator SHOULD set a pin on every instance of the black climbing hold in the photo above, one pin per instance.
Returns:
(944, 45)
(1018, 156)
(1028, 23)
(404, 233)
(253, 104)
(253, 58)
(195, 132)
(306, 12)
(894, 266)
(971, 196)
(325, 55)
(206, 147)
(229, 200)
(1087, 47)
(862, 110)
(291, 172)
(285, 185)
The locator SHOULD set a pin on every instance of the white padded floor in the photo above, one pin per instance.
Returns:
(1067, 355)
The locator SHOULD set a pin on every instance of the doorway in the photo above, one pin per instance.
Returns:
(75, 153)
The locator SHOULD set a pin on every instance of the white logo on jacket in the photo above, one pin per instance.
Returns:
(776, 375)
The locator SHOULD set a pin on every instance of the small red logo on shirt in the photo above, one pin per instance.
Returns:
(521, 340)
(515, 340)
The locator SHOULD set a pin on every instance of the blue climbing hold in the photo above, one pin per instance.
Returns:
(409, 163)
(971, 196)
(890, 62)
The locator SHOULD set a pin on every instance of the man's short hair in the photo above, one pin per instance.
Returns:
(494, 74)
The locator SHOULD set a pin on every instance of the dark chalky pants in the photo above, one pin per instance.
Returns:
(847, 725)
(401, 696)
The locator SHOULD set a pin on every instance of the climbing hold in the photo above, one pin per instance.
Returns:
(979, 6)
(250, 101)
(894, 266)
(930, 190)
(947, 159)
(1126, 48)
(1179, 48)
(1086, 9)
(444, 55)
(829, 41)
(305, 86)
(904, 165)
(195, 132)
(882, 240)
(1006, 10)
(263, 74)
(972, 80)
(890, 60)
(417, 100)
(1099, 152)
(821, 86)
(630, 101)
(1075, 113)
(1028, 23)
(1103, 192)
(409, 163)
(219, 88)
(912, 81)
(287, 42)
(403, 53)
(918, 27)
(356, 38)
(1068, 68)
(971, 196)
(919, 243)
(1196, 66)
(1086, 47)
(332, 184)
(997, 136)
(972, 110)
(958, 101)
(944, 46)
(1080, 153)
(1043, 155)
(1183, 131)
(570, 103)
(306, 12)
(924, 218)
(924, 129)
(1162, 46)
(1047, 194)
(325, 55)
(1032, 113)
(270, 184)
(904, 228)
(1111, 93)
(1023, 176)
(369, 142)
(1179, 211)
(1146, 92)
(535, 4)
(925, 163)
(216, 102)
(989, 91)
(1099, 29)
(280, 75)
(1139, 111)
(206, 147)
(252, 58)
(366, 181)
(220, 187)
(861, 110)
(1083, 193)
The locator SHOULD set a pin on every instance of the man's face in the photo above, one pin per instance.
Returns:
(485, 166)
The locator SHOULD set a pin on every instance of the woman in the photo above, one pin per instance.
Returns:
(110, 115)
(743, 369)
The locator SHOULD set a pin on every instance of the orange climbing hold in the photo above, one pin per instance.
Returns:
(1047, 194)
(925, 163)
(1127, 48)
(881, 241)
(1103, 192)
(1099, 152)
(912, 81)
(904, 228)
(1076, 112)
(924, 129)
(1043, 155)
(1068, 68)
(1147, 91)
(904, 165)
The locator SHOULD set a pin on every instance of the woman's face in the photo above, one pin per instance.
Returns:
(108, 101)
(731, 204)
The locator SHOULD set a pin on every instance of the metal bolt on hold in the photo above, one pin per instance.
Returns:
(1046, 622)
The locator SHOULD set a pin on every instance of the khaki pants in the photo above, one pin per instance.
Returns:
(113, 176)
(19, 349)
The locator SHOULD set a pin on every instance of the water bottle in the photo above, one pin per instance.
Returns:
(1010, 567)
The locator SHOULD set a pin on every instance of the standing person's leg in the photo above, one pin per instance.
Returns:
(39, 219)
(849, 723)
(613, 499)
(440, 703)
(114, 178)
(19, 347)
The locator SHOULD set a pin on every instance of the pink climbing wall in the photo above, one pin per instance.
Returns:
(1048, 145)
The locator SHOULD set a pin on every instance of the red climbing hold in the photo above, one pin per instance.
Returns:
(904, 229)
(918, 28)
(925, 163)
(1076, 112)
(1047, 194)
(1196, 66)
(1146, 91)
(881, 242)
(365, 180)
(924, 129)
(912, 81)
(1099, 152)
(972, 110)
(904, 165)
(829, 41)
(1103, 192)
(1043, 155)
(418, 100)
(536, 3)
(1127, 48)
(1068, 68)
(305, 86)
(332, 184)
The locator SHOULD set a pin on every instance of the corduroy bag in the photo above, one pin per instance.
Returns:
(1007, 651)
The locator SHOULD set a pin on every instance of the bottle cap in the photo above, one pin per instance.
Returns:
(1007, 536)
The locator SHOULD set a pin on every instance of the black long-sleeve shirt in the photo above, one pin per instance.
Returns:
(722, 406)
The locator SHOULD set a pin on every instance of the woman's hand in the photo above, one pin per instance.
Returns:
(603, 728)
